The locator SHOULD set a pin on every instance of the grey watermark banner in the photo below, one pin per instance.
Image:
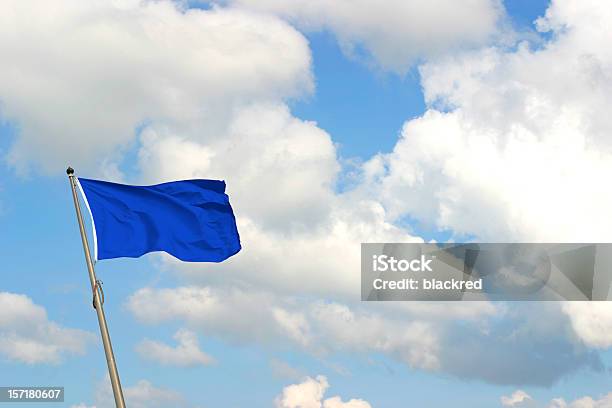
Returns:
(31, 394)
(486, 271)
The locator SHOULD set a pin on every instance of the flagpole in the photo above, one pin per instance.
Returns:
(108, 348)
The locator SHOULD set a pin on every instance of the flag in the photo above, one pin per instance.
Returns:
(189, 219)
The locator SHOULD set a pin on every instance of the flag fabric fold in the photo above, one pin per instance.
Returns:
(191, 220)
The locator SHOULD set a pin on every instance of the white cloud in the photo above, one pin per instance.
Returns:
(309, 394)
(421, 337)
(204, 307)
(432, 337)
(519, 398)
(95, 71)
(280, 170)
(318, 327)
(514, 143)
(187, 352)
(415, 342)
(395, 33)
(591, 322)
(585, 402)
(28, 336)
(557, 403)
(336, 402)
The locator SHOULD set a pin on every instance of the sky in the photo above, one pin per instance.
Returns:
(333, 123)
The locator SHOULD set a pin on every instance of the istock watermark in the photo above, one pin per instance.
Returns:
(383, 263)
(486, 271)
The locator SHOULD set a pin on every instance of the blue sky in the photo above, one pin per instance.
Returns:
(361, 106)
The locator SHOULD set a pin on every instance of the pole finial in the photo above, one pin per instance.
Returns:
(70, 171)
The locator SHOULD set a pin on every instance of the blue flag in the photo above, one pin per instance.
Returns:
(190, 219)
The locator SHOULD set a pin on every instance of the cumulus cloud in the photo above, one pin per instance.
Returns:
(96, 71)
(317, 327)
(585, 402)
(518, 398)
(504, 152)
(423, 338)
(28, 336)
(187, 352)
(591, 322)
(394, 33)
(336, 402)
(309, 394)
(521, 399)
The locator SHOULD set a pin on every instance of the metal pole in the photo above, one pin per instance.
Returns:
(108, 348)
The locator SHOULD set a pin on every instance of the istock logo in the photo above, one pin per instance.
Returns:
(382, 263)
